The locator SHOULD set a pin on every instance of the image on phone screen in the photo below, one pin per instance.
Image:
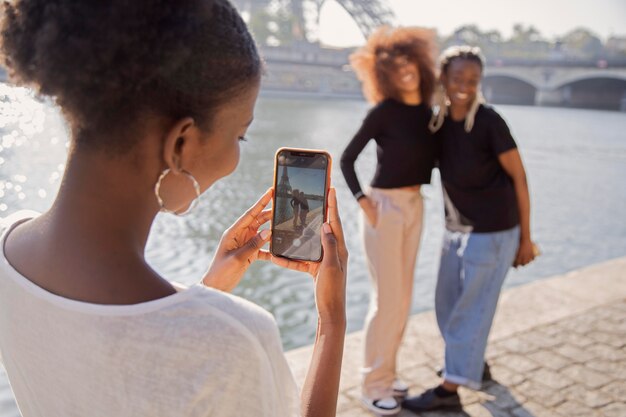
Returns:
(300, 204)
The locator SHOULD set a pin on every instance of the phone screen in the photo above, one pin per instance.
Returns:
(299, 204)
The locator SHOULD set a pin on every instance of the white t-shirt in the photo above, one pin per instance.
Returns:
(199, 352)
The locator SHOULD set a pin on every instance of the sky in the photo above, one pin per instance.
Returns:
(550, 17)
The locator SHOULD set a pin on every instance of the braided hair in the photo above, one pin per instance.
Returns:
(467, 53)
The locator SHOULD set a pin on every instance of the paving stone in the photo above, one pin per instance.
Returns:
(614, 410)
(574, 409)
(519, 345)
(546, 337)
(549, 330)
(579, 340)
(518, 363)
(469, 396)
(581, 324)
(353, 393)
(612, 339)
(507, 377)
(539, 393)
(551, 379)
(616, 390)
(607, 353)
(478, 410)
(618, 307)
(590, 398)
(486, 410)
(421, 376)
(600, 314)
(587, 377)
(538, 410)
(575, 354)
(612, 368)
(435, 414)
(495, 350)
(550, 360)
(356, 411)
(620, 328)
(608, 324)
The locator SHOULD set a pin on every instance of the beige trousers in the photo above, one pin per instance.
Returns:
(391, 247)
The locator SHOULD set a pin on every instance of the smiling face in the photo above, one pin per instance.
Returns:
(404, 75)
(461, 81)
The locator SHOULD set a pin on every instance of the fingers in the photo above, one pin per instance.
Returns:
(264, 217)
(284, 262)
(523, 258)
(257, 222)
(251, 215)
(252, 246)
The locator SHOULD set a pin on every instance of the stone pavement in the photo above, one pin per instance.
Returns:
(557, 348)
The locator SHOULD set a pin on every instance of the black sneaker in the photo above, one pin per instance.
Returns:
(428, 400)
(486, 373)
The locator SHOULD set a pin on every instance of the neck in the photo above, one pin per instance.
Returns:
(459, 112)
(108, 198)
(412, 98)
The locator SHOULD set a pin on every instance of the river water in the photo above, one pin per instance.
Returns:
(575, 161)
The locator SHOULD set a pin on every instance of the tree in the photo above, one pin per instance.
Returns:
(273, 26)
(583, 44)
(522, 35)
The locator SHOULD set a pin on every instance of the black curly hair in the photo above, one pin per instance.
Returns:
(110, 63)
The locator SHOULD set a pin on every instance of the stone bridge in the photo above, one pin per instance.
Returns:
(311, 70)
(599, 84)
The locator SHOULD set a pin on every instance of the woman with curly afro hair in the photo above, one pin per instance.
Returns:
(157, 95)
(396, 67)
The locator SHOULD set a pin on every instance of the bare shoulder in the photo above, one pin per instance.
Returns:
(77, 268)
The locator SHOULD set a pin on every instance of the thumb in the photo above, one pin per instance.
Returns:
(329, 243)
(252, 246)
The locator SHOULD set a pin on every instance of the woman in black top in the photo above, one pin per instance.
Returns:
(397, 70)
(487, 224)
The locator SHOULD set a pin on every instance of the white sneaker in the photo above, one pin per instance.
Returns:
(400, 389)
(384, 406)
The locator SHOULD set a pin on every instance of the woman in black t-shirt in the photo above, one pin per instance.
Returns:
(397, 70)
(487, 209)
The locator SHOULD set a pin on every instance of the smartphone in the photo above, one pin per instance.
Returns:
(301, 184)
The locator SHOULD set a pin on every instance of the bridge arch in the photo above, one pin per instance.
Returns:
(508, 89)
(596, 91)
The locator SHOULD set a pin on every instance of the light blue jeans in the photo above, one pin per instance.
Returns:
(472, 270)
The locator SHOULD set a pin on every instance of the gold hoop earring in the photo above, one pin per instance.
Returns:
(157, 189)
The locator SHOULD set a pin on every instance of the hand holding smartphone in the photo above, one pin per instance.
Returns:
(301, 185)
